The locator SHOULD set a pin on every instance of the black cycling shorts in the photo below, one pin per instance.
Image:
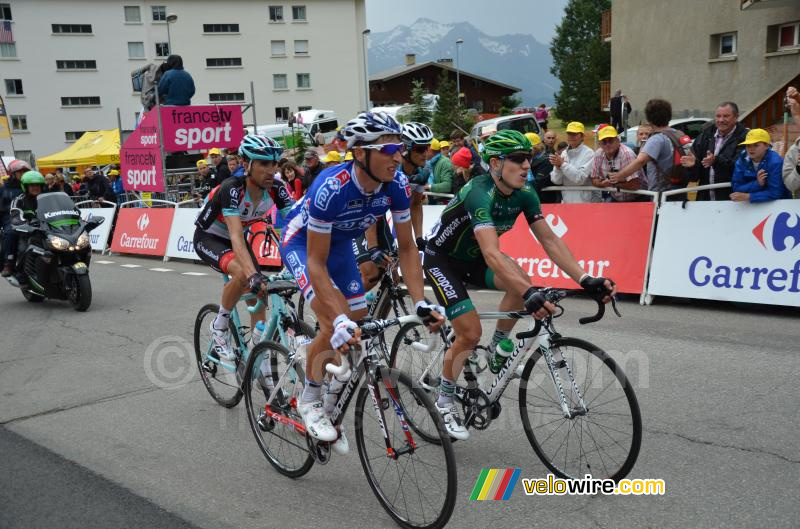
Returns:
(386, 242)
(449, 277)
(217, 251)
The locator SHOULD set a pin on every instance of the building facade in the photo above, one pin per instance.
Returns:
(68, 67)
(698, 54)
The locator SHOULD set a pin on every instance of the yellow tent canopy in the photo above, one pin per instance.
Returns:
(98, 147)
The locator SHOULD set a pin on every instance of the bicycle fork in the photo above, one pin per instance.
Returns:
(554, 365)
(377, 403)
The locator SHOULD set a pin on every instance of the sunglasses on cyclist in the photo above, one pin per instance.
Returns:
(420, 149)
(389, 149)
(517, 157)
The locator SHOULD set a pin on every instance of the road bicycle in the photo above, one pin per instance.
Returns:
(578, 409)
(403, 447)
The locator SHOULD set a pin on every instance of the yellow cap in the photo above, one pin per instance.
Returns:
(575, 126)
(533, 138)
(607, 132)
(756, 136)
(435, 145)
(201, 163)
(113, 172)
(348, 156)
(214, 150)
(444, 143)
(331, 156)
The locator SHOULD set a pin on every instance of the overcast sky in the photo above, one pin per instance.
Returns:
(494, 17)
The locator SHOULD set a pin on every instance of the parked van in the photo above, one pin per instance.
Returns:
(315, 120)
(521, 122)
(282, 133)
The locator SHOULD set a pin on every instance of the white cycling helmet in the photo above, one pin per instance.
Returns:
(416, 134)
(368, 127)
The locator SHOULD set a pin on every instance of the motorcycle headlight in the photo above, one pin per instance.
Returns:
(57, 243)
(83, 241)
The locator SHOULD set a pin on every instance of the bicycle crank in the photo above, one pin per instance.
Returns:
(478, 411)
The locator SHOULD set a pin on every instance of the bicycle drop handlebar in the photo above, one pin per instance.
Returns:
(554, 296)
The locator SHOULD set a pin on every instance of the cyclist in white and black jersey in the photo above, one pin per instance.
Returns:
(219, 235)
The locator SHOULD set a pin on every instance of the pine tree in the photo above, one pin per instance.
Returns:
(447, 110)
(580, 60)
(508, 104)
(419, 111)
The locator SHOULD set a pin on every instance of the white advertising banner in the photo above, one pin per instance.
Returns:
(430, 216)
(728, 251)
(99, 235)
(181, 235)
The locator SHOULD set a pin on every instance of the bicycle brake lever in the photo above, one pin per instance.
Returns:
(614, 306)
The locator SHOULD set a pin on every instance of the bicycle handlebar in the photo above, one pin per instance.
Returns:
(280, 276)
(555, 295)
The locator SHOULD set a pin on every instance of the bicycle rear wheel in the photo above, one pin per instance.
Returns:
(220, 381)
(414, 479)
(602, 439)
(280, 442)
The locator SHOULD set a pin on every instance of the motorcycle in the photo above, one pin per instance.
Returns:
(56, 261)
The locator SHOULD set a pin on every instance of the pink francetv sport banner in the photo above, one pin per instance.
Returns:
(140, 158)
(201, 127)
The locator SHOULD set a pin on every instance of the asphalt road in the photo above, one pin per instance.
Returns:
(104, 422)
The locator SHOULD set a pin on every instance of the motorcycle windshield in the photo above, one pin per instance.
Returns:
(58, 211)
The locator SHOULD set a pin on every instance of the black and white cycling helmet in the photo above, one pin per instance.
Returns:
(255, 147)
(416, 134)
(368, 127)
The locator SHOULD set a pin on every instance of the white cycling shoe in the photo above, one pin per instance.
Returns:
(452, 421)
(341, 446)
(316, 421)
(221, 343)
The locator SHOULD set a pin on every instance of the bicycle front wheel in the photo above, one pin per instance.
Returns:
(603, 434)
(219, 379)
(413, 478)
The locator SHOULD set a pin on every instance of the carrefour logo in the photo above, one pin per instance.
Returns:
(143, 222)
(773, 235)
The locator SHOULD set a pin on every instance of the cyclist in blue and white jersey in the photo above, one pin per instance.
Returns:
(219, 240)
(341, 204)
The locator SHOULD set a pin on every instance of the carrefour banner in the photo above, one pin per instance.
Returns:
(728, 251)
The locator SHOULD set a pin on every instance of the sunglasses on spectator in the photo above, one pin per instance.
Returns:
(389, 149)
(517, 157)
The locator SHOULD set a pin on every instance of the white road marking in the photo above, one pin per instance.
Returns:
(194, 274)
(161, 269)
(131, 266)
(103, 262)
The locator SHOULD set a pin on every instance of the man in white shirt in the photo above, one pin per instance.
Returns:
(574, 167)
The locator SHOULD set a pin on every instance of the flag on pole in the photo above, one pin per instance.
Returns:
(5, 130)
(5, 32)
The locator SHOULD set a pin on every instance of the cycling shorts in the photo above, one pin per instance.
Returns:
(342, 269)
(216, 251)
(449, 277)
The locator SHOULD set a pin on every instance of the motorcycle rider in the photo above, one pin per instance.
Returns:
(23, 208)
(8, 192)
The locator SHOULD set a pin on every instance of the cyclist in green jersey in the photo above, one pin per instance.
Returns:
(464, 247)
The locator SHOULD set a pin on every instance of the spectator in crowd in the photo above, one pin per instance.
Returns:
(206, 179)
(116, 184)
(10, 190)
(234, 167)
(441, 173)
(462, 162)
(539, 173)
(55, 184)
(444, 148)
(574, 166)
(77, 185)
(757, 174)
(715, 150)
(561, 147)
(541, 114)
(311, 167)
(97, 186)
(220, 164)
(319, 139)
(642, 133)
(61, 176)
(549, 141)
(290, 174)
(791, 164)
(331, 158)
(620, 109)
(609, 158)
(176, 86)
(457, 141)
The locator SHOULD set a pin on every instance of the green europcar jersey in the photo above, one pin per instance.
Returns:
(480, 205)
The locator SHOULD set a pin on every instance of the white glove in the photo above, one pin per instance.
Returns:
(424, 309)
(343, 329)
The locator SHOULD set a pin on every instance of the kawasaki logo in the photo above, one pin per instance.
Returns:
(62, 213)
(772, 236)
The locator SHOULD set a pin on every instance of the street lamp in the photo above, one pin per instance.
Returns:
(459, 42)
(171, 17)
(364, 35)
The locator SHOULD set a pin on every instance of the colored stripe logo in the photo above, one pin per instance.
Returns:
(495, 484)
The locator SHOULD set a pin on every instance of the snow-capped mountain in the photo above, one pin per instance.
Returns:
(518, 60)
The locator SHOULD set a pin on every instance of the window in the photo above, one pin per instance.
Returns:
(279, 81)
(225, 62)
(159, 13)
(302, 109)
(301, 47)
(278, 48)
(19, 122)
(299, 13)
(788, 36)
(14, 87)
(136, 50)
(162, 49)
(73, 135)
(8, 50)
(276, 13)
(69, 29)
(220, 28)
(76, 65)
(727, 44)
(132, 14)
(83, 101)
(5, 12)
(281, 114)
(221, 97)
(304, 80)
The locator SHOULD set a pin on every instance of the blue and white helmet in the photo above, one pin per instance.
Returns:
(416, 134)
(369, 126)
(255, 147)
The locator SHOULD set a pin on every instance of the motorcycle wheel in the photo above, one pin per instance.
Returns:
(80, 292)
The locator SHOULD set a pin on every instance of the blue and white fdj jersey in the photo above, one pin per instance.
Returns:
(337, 204)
